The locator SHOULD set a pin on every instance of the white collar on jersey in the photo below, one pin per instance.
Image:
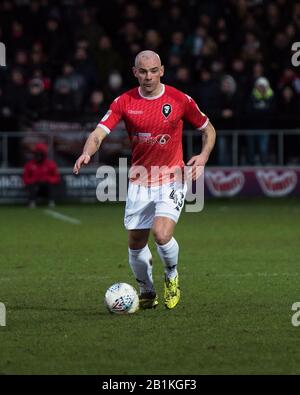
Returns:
(152, 97)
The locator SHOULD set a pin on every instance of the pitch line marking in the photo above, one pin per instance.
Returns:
(55, 278)
(62, 217)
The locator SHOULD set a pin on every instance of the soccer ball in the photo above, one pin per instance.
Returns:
(121, 298)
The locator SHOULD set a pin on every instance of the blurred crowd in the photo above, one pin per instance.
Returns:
(75, 56)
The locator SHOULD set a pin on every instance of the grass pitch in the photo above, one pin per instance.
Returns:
(239, 273)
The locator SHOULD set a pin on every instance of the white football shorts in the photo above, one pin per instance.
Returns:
(144, 203)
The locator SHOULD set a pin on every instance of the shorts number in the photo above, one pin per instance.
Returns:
(178, 199)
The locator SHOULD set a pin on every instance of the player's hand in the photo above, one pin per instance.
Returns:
(82, 160)
(197, 164)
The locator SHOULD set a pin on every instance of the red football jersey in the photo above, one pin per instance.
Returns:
(154, 125)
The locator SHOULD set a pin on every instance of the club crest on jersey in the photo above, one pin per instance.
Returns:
(166, 110)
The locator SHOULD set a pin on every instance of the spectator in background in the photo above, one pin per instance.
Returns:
(173, 63)
(40, 176)
(288, 108)
(260, 112)
(15, 91)
(7, 122)
(155, 9)
(55, 42)
(128, 41)
(217, 69)
(14, 95)
(63, 100)
(226, 117)
(209, 50)
(195, 41)
(37, 103)
(226, 49)
(290, 77)
(184, 81)
(95, 103)
(279, 54)
(114, 86)
(47, 83)
(21, 61)
(206, 91)
(272, 19)
(153, 40)
(251, 48)
(258, 70)
(174, 21)
(177, 44)
(106, 58)
(18, 38)
(127, 35)
(240, 74)
(76, 82)
(37, 57)
(34, 19)
(296, 15)
(84, 66)
(89, 30)
(131, 14)
(5, 111)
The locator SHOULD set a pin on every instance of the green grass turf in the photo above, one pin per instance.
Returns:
(239, 272)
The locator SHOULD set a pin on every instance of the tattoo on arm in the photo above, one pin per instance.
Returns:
(97, 142)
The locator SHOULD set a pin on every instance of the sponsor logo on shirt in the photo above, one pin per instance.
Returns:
(162, 139)
(135, 112)
(146, 138)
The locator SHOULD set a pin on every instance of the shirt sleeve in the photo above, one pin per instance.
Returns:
(112, 117)
(193, 115)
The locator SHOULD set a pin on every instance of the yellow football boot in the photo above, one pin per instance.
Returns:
(172, 292)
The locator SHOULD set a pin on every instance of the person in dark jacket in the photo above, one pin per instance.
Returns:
(260, 112)
(226, 113)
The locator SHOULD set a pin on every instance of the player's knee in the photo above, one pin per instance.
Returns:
(162, 236)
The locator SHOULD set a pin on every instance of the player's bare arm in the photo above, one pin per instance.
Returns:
(91, 146)
(208, 142)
